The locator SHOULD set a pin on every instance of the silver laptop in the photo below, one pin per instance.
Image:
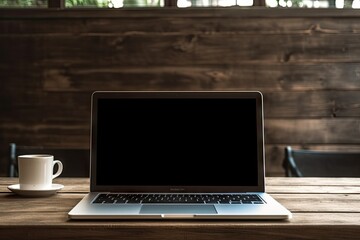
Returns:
(177, 155)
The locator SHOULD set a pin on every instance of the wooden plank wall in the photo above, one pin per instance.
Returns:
(306, 63)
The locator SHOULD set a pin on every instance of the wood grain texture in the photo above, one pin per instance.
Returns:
(322, 208)
(306, 63)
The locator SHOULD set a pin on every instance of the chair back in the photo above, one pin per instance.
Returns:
(311, 163)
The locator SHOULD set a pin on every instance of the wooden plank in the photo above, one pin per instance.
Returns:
(273, 77)
(55, 203)
(309, 181)
(283, 104)
(127, 23)
(313, 104)
(313, 189)
(306, 229)
(51, 135)
(60, 219)
(271, 13)
(32, 115)
(277, 104)
(312, 131)
(322, 203)
(136, 49)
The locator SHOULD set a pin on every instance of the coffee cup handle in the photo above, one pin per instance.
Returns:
(59, 170)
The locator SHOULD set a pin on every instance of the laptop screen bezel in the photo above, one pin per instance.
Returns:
(94, 187)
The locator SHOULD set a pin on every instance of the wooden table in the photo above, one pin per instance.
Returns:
(323, 208)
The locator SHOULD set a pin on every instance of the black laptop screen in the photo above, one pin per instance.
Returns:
(176, 142)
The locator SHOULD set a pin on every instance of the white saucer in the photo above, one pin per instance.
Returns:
(35, 193)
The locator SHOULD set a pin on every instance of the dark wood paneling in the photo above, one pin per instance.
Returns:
(305, 62)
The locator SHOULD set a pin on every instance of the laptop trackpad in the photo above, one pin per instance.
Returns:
(178, 209)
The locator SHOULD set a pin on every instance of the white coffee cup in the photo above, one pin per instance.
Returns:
(36, 171)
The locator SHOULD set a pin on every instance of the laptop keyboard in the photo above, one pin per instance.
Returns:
(113, 198)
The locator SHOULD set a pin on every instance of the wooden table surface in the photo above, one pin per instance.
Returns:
(323, 208)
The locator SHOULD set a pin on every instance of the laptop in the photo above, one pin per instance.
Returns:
(177, 155)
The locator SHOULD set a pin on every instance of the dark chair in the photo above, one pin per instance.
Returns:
(76, 162)
(311, 163)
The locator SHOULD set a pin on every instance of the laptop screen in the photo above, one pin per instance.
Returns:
(177, 140)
